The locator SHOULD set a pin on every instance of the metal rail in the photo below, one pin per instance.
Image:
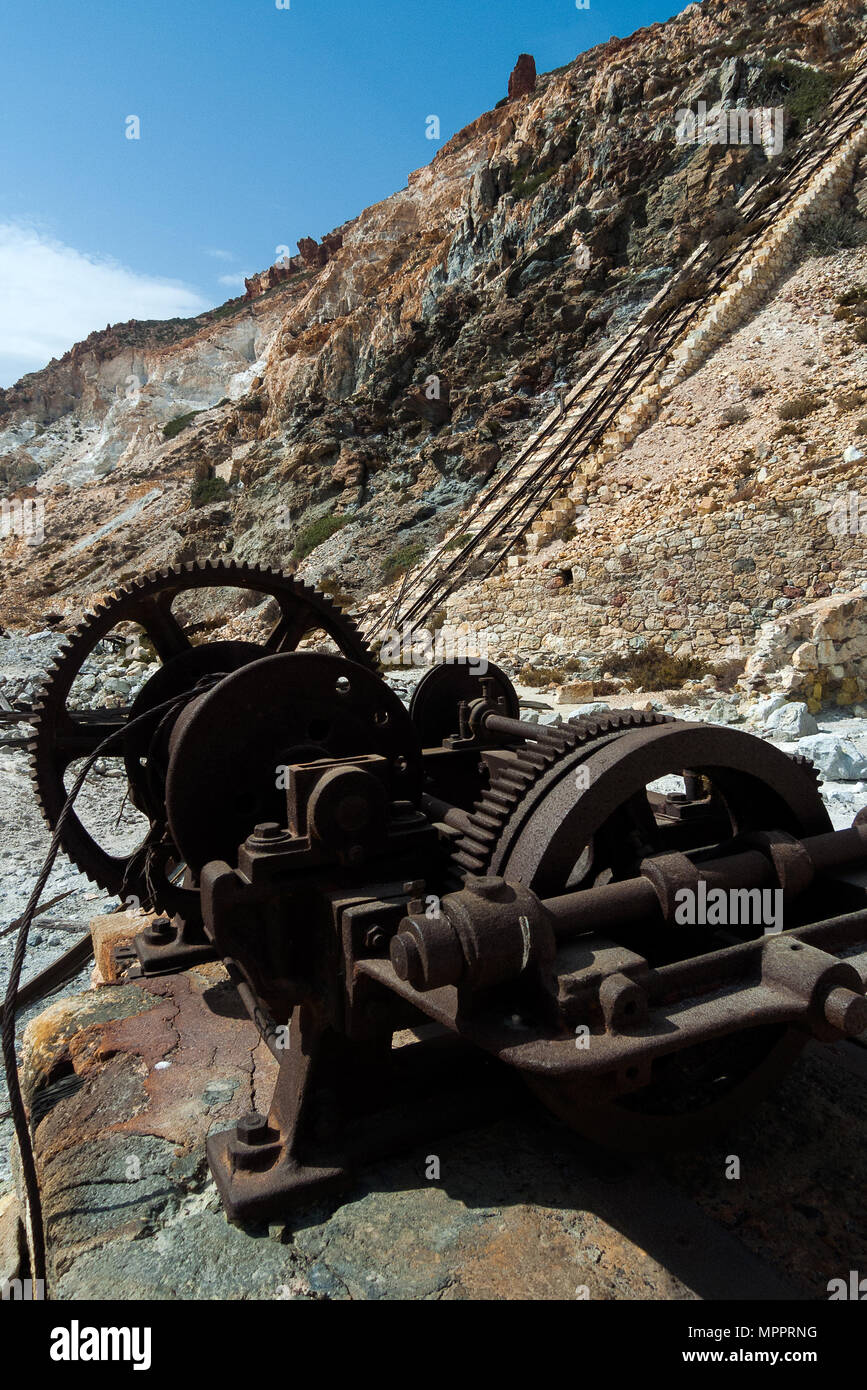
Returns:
(622, 368)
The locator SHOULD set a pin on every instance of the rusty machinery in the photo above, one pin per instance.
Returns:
(504, 891)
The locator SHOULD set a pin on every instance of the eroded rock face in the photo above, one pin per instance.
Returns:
(469, 273)
(818, 651)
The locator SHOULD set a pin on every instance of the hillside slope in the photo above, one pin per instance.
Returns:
(367, 395)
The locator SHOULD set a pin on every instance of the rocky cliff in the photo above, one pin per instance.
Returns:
(342, 413)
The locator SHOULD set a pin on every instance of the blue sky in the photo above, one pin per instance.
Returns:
(258, 125)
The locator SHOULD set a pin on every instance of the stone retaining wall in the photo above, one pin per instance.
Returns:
(702, 586)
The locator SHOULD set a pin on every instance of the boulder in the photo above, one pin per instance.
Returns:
(838, 758)
(790, 721)
(760, 712)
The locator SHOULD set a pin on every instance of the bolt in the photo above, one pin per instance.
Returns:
(488, 886)
(159, 932)
(374, 938)
(252, 1128)
(268, 830)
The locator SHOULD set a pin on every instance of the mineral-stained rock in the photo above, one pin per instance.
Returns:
(11, 1238)
(517, 1212)
(431, 401)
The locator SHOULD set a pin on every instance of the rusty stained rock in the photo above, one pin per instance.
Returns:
(522, 81)
(519, 1210)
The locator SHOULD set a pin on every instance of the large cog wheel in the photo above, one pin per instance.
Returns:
(64, 735)
(476, 850)
(540, 823)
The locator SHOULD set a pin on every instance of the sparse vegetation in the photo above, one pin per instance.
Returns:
(525, 184)
(402, 559)
(735, 415)
(850, 400)
(832, 231)
(799, 407)
(180, 422)
(329, 585)
(318, 531)
(456, 542)
(849, 298)
(653, 668)
(206, 490)
(804, 91)
(536, 676)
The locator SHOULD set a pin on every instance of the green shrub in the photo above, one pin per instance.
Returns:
(402, 559)
(209, 490)
(803, 91)
(179, 423)
(456, 542)
(317, 532)
(524, 184)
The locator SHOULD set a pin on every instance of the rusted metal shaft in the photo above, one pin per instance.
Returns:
(637, 902)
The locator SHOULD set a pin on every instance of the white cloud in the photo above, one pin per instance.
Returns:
(219, 255)
(232, 281)
(52, 296)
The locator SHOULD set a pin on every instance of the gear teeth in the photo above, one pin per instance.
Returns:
(474, 851)
(808, 766)
(89, 857)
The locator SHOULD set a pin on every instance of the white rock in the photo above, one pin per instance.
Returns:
(838, 758)
(852, 454)
(760, 712)
(792, 720)
(724, 712)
